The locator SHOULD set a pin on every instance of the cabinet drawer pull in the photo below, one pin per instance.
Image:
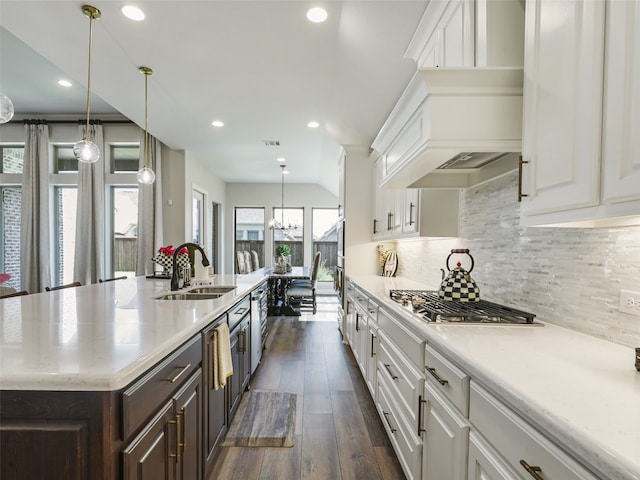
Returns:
(420, 402)
(240, 311)
(521, 162)
(411, 207)
(388, 367)
(386, 417)
(432, 371)
(184, 369)
(533, 470)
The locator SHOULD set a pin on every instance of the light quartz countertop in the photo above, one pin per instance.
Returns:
(101, 337)
(581, 391)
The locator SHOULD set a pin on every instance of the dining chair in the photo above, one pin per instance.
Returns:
(15, 294)
(247, 261)
(255, 261)
(303, 295)
(123, 277)
(60, 287)
(242, 268)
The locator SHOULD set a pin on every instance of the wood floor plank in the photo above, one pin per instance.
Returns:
(357, 457)
(337, 367)
(317, 402)
(236, 463)
(388, 463)
(320, 459)
(315, 373)
(282, 463)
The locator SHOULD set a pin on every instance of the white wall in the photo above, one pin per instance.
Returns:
(567, 276)
(269, 195)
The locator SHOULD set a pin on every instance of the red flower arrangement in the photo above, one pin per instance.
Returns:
(169, 250)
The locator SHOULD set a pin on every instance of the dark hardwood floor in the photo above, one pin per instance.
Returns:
(338, 431)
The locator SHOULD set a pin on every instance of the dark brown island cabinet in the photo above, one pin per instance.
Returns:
(167, 424)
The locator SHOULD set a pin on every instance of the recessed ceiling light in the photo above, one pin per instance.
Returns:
(217, 123)
(281, 159)
(317, 14)
(133, 13)
(64, 83)
(313, 124)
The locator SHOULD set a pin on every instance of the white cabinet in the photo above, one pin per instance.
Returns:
(621, 142)
(520, 446)
(485, 463)
(446, 439)
(583, 159)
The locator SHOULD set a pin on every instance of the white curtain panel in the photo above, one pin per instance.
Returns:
(35, 253)
(149, 209)
(89, 253)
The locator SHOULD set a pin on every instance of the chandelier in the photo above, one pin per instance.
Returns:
(274, 224)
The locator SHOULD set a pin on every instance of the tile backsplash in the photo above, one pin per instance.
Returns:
(570, 277)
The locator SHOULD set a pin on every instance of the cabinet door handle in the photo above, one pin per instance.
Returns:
(183, 412)
(411, 207)
(176, 422)
(532, 470)
(433, 372)
(386, 417)
(389, 215)
(388, 367)
(243, 348)
(420, 402)
(183, 368)
(372, 338)
(375, 223)
(357, 322)
(521, 162)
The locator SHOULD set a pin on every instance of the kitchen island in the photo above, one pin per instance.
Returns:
(89, 374)
(574, 391)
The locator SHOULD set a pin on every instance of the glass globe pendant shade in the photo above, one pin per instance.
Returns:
(6, 108)
(86, 151)
(146, 176)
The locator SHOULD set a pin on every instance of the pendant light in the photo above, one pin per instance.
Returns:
(6, 108)
(85, 150)
(146, 174)
(273, 223)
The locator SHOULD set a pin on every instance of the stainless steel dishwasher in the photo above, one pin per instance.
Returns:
(258, 324)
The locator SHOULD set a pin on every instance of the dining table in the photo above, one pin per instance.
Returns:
(278, 284)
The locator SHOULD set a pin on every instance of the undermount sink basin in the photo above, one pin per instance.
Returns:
(206, 292)
(189, 296)
(211, 289)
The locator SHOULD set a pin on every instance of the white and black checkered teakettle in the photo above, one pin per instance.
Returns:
(459, 286)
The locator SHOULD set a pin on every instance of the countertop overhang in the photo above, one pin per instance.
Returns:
(101, 337)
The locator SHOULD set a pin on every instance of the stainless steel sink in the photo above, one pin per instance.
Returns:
(206, 292)
(211, 289)
(189, 296)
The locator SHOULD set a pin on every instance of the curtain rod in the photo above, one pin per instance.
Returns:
(71, 122)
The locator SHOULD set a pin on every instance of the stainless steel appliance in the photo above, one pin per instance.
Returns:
(433, 309)
(259, 330)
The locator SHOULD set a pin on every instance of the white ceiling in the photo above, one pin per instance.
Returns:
(259, 66)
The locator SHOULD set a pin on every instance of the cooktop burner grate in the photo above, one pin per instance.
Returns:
(434, 309)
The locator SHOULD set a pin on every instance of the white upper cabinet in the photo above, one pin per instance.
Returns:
(581, 104)
(621, 140)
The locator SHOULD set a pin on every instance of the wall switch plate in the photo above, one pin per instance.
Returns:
(630, 302)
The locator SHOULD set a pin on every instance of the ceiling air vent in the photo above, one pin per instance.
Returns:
(272, 143)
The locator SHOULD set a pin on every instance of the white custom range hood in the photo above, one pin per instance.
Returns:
(453, 128)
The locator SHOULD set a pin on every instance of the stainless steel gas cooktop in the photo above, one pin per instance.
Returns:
(433, 309)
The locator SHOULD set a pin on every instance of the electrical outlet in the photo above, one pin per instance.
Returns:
(630, 302)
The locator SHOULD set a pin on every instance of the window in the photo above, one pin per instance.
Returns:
(10, 205)
(65, 161)
(12, 158)
(125, 158)
(65, 207)
(250, 231)
(325, 240)
(197, 223)
(213, 237)
(290, 217)
(125, 231)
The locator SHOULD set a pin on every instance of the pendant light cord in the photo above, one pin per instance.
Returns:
(146, 123)
(87, 134)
